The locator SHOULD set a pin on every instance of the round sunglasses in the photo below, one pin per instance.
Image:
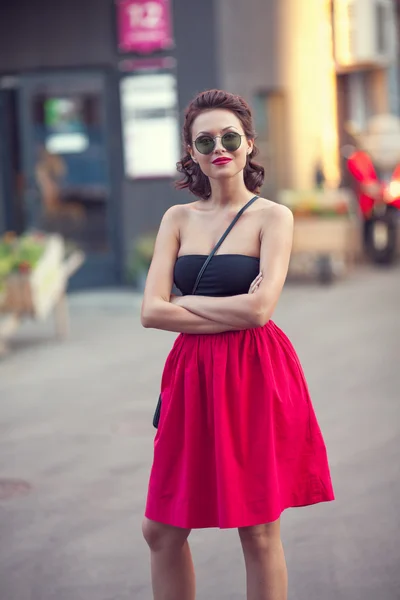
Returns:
(205, 144)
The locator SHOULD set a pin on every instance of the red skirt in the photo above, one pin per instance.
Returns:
(238, 441)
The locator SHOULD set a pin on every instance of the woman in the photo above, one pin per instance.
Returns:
(238, 440)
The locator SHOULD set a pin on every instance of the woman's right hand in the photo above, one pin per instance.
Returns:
(255, 284)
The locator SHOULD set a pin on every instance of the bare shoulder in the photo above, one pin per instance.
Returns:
(275, 215)
(175, 212)
(175, 216)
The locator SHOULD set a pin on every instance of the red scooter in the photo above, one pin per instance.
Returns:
(379, 203)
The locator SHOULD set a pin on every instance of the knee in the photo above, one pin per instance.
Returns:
(159, 536)
(260, 539)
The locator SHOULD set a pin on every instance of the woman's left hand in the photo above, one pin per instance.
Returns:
(256, 284)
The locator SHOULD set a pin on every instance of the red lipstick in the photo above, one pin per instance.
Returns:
(222, 160)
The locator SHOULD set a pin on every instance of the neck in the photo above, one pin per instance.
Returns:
(232, 192)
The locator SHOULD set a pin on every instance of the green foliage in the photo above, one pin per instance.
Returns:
(19, 254)
(140, 257)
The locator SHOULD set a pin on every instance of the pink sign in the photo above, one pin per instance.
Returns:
(144, 26)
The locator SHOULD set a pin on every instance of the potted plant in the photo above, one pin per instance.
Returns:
(19, 255)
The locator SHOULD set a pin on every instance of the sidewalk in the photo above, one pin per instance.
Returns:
(75, 425)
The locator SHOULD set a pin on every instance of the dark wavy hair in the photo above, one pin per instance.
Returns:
(193, 177)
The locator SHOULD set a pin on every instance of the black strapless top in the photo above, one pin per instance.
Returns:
(225, 275)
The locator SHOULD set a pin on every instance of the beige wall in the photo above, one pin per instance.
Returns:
(310, 83)
(285, 46)
(248, 45)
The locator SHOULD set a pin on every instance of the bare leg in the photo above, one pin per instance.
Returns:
(265, 562)
(172, 569)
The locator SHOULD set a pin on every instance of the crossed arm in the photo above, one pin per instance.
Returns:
(200, 314)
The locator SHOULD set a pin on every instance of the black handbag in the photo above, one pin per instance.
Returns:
(157, 413)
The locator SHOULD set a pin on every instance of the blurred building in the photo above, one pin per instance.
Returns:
(92, 94)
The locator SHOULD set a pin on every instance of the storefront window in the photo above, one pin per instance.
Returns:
(150, 124)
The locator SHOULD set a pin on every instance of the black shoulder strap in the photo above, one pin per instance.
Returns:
(220, 241)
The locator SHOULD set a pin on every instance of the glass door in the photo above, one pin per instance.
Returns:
(65, 157)
(11, 179)
(4, 221)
